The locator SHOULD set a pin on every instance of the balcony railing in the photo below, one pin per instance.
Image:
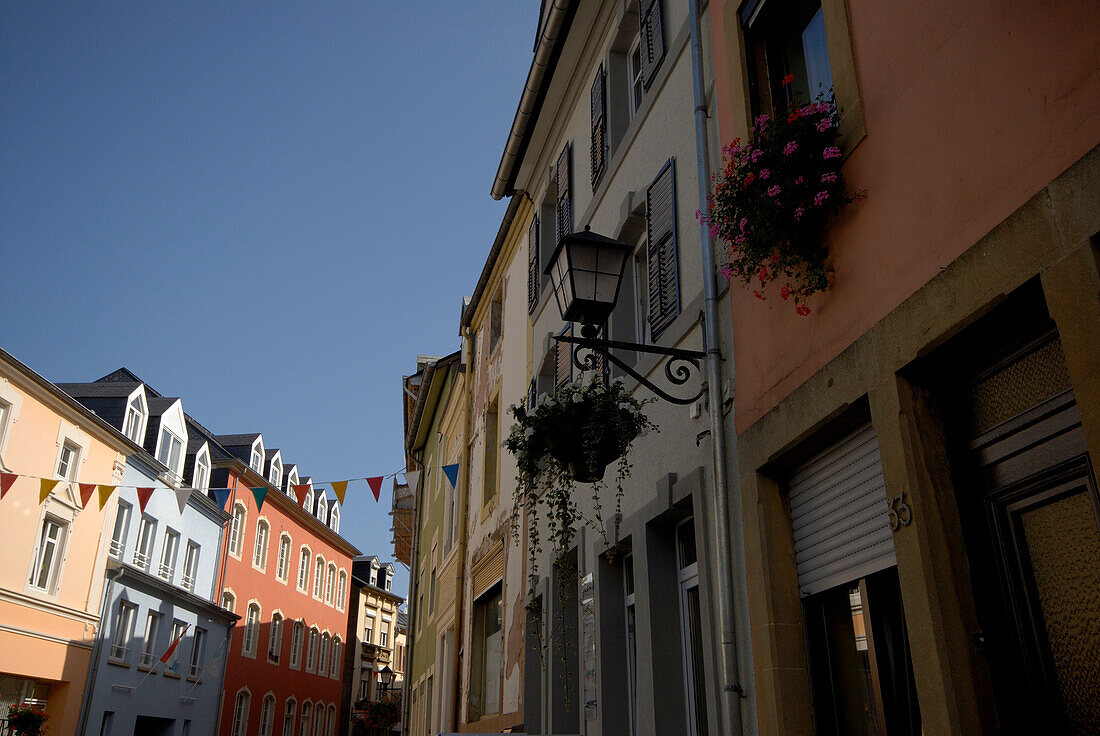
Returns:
(146, 659)
(141, 560)
(166, 571)
(195, 671)
(119, 652)
(187, 583)
(117, 548)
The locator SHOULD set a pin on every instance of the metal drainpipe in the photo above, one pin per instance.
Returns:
(719, 516)
(111, 574)
(410, 641)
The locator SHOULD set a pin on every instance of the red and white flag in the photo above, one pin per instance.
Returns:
(171, 649)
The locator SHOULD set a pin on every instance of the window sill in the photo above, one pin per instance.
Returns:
(195, 680)
(173, 675)
(143, 668)
(118, 663)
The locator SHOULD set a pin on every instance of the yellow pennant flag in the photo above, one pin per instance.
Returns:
(105, 493)
(340, 487)
(47, 486)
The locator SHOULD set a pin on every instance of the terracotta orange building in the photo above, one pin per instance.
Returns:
(286, 573)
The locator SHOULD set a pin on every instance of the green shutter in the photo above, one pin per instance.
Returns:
(563, 213)
(599, 127)
(652, 38)
(661, 251)
(533, 276)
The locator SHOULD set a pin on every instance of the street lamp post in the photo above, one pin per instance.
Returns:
(385, 677)
(586, 271)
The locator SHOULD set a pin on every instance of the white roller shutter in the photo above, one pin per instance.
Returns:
(839, 514)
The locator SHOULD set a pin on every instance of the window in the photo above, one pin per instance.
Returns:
(178, 627)
(282, 567)
(383, 637)
(322, 664)
(303, 570)
(334, 671)
(121, 530)
(389, 580)
(307, 711)
(259, 555)
(691, 628)
(631, 643)
(288, 717)
(662, 266)
(5, 414)
(168, 554)
(341, 589)
(496, 319)
(373, 575)
(124, 624)
(149, 642)
(267, 715)
(170, 450)
(486, 648)
(146, 533)
(636, 75)
(275, 639)
(198, 653)
(50, 554)
(322, 508)
(135, 419)
(276, 476)
(240, 713)
(236, 530)
(296, 644)
(229, 601)
(311, 650)
(431, 591)
(201, 479)
(368, 629)
(330, 580)
(534, 273)
(251, 630)
(651, 39)
(190, 567)
(108, 722)
(257, 459)
(492, 442)
(782, 41)
(334, 518)
(331, 720)
(318, 576)
(598, 100)
(319, 720)
(67, 461)
(308, 504)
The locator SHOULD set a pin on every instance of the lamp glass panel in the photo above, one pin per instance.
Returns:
(607, 284)
(585, 282)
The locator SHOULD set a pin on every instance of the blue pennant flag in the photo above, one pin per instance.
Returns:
(221, 495)
(451, 471)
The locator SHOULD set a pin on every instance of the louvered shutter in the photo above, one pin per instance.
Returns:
(599, 127)
(661, 252)
(563, 361)
(563, 213)
(652, 38)
(533, 276)
(839, 514)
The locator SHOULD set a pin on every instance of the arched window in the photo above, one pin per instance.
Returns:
(288, 716)
(311, 650)
(251, 629)
(240, 713)
(307, 712)
(282, 565)
(318, 576)
(303, 570)
(296, 644)
(341, 589)
(322, 665)
(334, 518)
(319, 720)
(334, 672)
(229, 601)
(259, 557)
(332, 720)
(330, 580)
(275, 640)
(236, 530)
(267, 715)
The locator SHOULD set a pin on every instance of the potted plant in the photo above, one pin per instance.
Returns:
(26, 720)
(773, 197)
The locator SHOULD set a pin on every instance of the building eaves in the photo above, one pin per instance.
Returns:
(490, 262)
(428, 393)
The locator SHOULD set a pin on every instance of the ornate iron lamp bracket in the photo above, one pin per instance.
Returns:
(677, 368)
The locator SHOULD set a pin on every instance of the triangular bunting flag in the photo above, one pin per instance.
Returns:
(47, 486)
(6, 479)
(86, 491)
(259, 494)
(105, 493)
(143, 497)
(412, 477)
(375, 486)
(451, 471)
(340, 487)
(182, 494)
(300, 492)
(221, 495)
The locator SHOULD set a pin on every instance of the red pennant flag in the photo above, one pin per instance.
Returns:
(86, 491)
(300, 491)
(6, 479)
(168, 655)
(143, 497)
(375, 485)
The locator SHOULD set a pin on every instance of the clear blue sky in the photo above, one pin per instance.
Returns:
(266, 208)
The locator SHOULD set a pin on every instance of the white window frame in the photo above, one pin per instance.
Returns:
(77, 440)
(256, 457)
(322, 660)
(318, 576)
(169, 551)
(334, 518)
(178, 627)
(291, 481)
(198, 650)
(290, 712)
(322, 508)
(124, 626)
(200, 479)
(267, 714)
(251, 629)
(170, 451)
(688, 577)
(282, 563)
(297, 634)
(236, 529)
(308, 504)
(11, 404)
(341, 589)
(276, 475)
(232, 601)
(304, 570)
(313, 640)
(190, 566)
(337, 644)
(147, 534)
(149, 641)
(120, 532)
(242, 704)
(330, 582)
(260, 545)
(136, 417)
(68, 461)
(635, 77)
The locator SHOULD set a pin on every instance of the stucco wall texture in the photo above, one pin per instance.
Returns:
(940, 85)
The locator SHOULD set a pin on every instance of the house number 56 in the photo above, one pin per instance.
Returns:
(900, 514)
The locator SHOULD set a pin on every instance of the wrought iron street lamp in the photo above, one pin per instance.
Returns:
(586, 271)
(385, 677)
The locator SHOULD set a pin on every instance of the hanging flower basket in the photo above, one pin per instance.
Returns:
(26, 720)
(773, 198)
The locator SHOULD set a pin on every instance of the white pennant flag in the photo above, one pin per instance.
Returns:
(412, 477)
(182, 494)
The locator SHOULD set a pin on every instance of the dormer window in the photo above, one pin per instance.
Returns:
(291, 480)
(276, 476)
(135, 418)
(308, 506)
(322, 509)
(373, 576)
(257, 461)
(201, 479)
(334, 519)
(389, 579)
(170, 450)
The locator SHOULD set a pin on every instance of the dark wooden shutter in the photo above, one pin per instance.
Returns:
(563, 213)
(533, 275)
(599, 127)
(661, 252)
(563, 360)
(652, 38)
